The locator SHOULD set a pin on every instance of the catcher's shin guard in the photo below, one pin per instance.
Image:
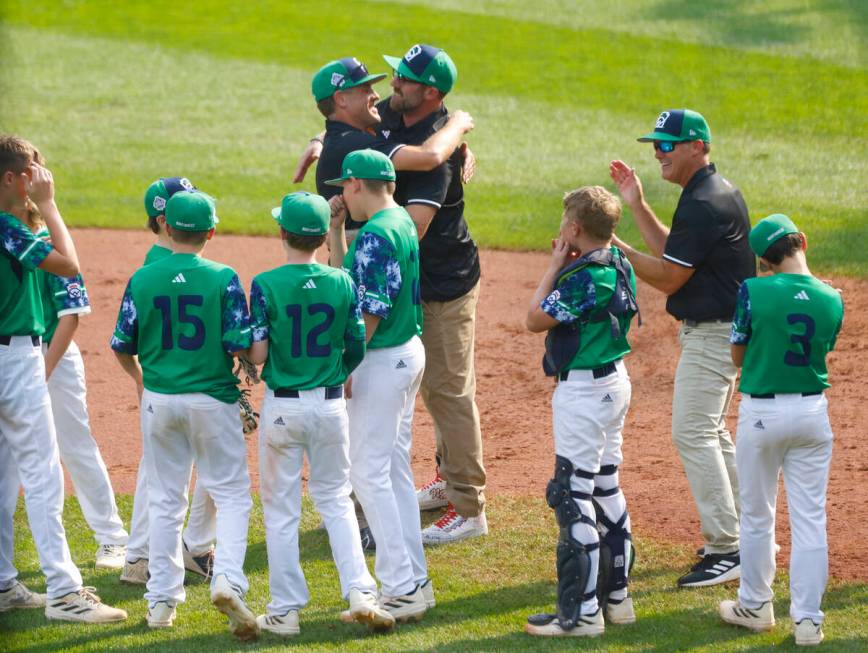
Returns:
(573, 557)
(617, 554)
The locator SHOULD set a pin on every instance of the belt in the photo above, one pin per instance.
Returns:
(7, 340)
(693, 323)
(335, 392)
(598, 372)
(771, 395)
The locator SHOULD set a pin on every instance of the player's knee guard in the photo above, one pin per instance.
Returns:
(573, 557)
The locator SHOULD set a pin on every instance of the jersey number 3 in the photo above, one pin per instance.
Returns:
(187, 342)
(803, 340)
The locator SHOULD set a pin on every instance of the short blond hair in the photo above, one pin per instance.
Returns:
(597, 210)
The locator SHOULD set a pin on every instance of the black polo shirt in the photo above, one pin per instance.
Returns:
(341, 139)
(448, 257)
(709, 233)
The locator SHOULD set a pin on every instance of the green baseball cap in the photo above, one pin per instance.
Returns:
(341, 75)
(365, 164)
(679, 125)
(427, 65)
(303, 213)
(768, 231)
(161, 190)
(191, 211)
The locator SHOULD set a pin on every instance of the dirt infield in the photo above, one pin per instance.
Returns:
(513, 394)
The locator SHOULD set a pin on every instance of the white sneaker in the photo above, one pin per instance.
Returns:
(18, 597)
(548, 625)
(756, 619)
(409, 607)
(364, 609)
(432, 495)
(808, 633)
(229, 599)
(135, 572)
(161, 615)
(83, 605)
(452, 527)
(284, 625)
(110, 556)
(428, 593)
(620, 612)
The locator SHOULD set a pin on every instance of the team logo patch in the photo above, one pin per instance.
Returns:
(337, 80)
(386, 133)
(413, 52)
(159, 203)
(661, 120)
(73, 290)
(186, 184)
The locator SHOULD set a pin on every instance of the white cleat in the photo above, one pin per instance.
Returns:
(452, 527)
(18, 597)
(756, 619)
(85, 606)
(548, 625)
(808, 633)
(285, 625)
(135, 572)
(432, 495)
(409, 607)
(620, 612)
(428, 593)
(228, 598)
(110, 556)
(161, 615)
(364, 609)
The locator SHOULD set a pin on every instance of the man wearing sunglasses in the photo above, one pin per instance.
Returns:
(700, 263)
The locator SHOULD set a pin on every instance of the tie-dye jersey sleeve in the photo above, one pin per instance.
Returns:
(69, 295)
(377, 274)
(259, 324)
(571, 298)
(126, 335)
(236, 318)
(741, 330)
(21, 244)
(355, 329)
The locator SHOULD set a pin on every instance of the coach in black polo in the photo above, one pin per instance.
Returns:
(699, 263)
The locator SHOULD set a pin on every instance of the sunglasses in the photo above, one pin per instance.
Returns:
(403, 78)
(665, 146)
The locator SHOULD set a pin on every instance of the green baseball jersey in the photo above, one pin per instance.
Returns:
(21, 253)
(156, 253)
(383, 261)
(184, 315)
(307, 313)
(789, 323)
(583, 293)
(60, 295)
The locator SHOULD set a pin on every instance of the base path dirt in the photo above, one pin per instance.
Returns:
(513, 394)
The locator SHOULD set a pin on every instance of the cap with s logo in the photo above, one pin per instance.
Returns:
(427, 65)
(303, 214)
(160, 191)
(679, 125)
(365, 164)
(341, 75)
(768, 231)
(191, 211)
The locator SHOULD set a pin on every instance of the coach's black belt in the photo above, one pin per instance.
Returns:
(7, 340)
(771, 395)
(693, 323)
(335, 392)
(598, 372)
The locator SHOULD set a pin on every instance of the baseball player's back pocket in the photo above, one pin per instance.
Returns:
(285, 428)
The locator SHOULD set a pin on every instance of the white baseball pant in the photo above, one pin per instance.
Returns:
(291, 428)
(176, 431)
(789, 433)
(79, 452)
(27, 437)
(381, 435)
(588, 420)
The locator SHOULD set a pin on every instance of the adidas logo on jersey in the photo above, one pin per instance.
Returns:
(279, 421)
(309, 284)
(759, 425)
(179, 278)
(401, 365)
(802, 295)
(607, 399)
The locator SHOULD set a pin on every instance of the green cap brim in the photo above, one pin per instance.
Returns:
(335, 182)
(397, 64)
(368, 79)
(660, 136)
(275, 213)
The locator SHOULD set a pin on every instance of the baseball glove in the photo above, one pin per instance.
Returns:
(249, 417)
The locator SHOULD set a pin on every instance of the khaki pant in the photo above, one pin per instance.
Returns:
(449, 391)
(704, 383)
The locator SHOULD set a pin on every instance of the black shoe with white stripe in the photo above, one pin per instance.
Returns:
(713, 569)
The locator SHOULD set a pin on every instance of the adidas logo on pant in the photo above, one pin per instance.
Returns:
(401, 365)
(279, 421)
(607, 399)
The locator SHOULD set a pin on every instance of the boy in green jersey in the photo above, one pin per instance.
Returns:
(186, 317)
(383, 261)
(784, 326)
(586, 301)
(199, 533)
(28, 442)
(309, 332)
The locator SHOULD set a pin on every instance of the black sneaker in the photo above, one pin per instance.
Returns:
(713, 569)
(367, 537)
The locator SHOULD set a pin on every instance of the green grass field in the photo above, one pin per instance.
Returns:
(117, 94)
(485, 590)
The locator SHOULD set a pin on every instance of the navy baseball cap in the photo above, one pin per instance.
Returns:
(158, 193)
(677, 126)
(427, 65)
